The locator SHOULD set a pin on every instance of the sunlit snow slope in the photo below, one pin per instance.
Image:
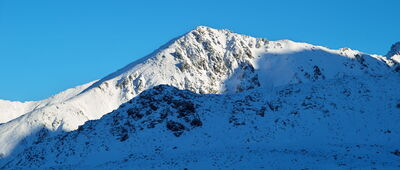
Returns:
(209, 61)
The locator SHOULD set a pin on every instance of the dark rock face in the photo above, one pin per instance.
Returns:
(161, 105)
(196, 122)
(135, 115)
(317, 73)
(176, 128)
(184, 108)
(396, 152)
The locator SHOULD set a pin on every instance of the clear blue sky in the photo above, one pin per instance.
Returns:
(47, 46)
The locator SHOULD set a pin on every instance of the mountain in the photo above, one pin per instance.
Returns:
(13, 109)
(394, 55)
(394, 50)
(212, 98)
(308, 125)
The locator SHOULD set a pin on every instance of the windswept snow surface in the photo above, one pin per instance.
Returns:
(10, 110)
(13, 109)
(284, 99)
(303, 126)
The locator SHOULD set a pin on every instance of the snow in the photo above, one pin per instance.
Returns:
(308, 125)
(223, 70)
(394, 50)
(396, 58)
(10, 110)
(13, 109)
(394, 53)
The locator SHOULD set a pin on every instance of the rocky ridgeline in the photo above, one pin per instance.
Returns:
(202, 61)
(394, 50)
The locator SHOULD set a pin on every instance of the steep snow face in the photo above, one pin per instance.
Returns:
(204, 61)
(311, 125)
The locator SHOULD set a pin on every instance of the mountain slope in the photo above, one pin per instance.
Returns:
(306, 125)
(10, 110)
(394, 50)
(204, 61)
(13, 109)
(394, 55)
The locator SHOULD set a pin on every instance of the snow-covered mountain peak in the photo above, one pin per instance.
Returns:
(394, 54)
(207, 60)
(209, 29)
(203, 61)
(394, 50)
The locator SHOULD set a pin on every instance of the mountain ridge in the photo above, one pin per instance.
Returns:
(167, 118)
(204, 61)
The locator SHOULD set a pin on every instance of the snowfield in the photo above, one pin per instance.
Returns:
(214, 99)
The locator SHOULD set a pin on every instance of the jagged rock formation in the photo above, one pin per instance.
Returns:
(394, 50)
(394, 55)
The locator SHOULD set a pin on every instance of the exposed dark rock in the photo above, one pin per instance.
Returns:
(396, 152)
(196, 122)
(176, 128)
(360, 59)
(184, 107)
(124, 137)
(136, 115)
(261, 112)
(317, 73)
